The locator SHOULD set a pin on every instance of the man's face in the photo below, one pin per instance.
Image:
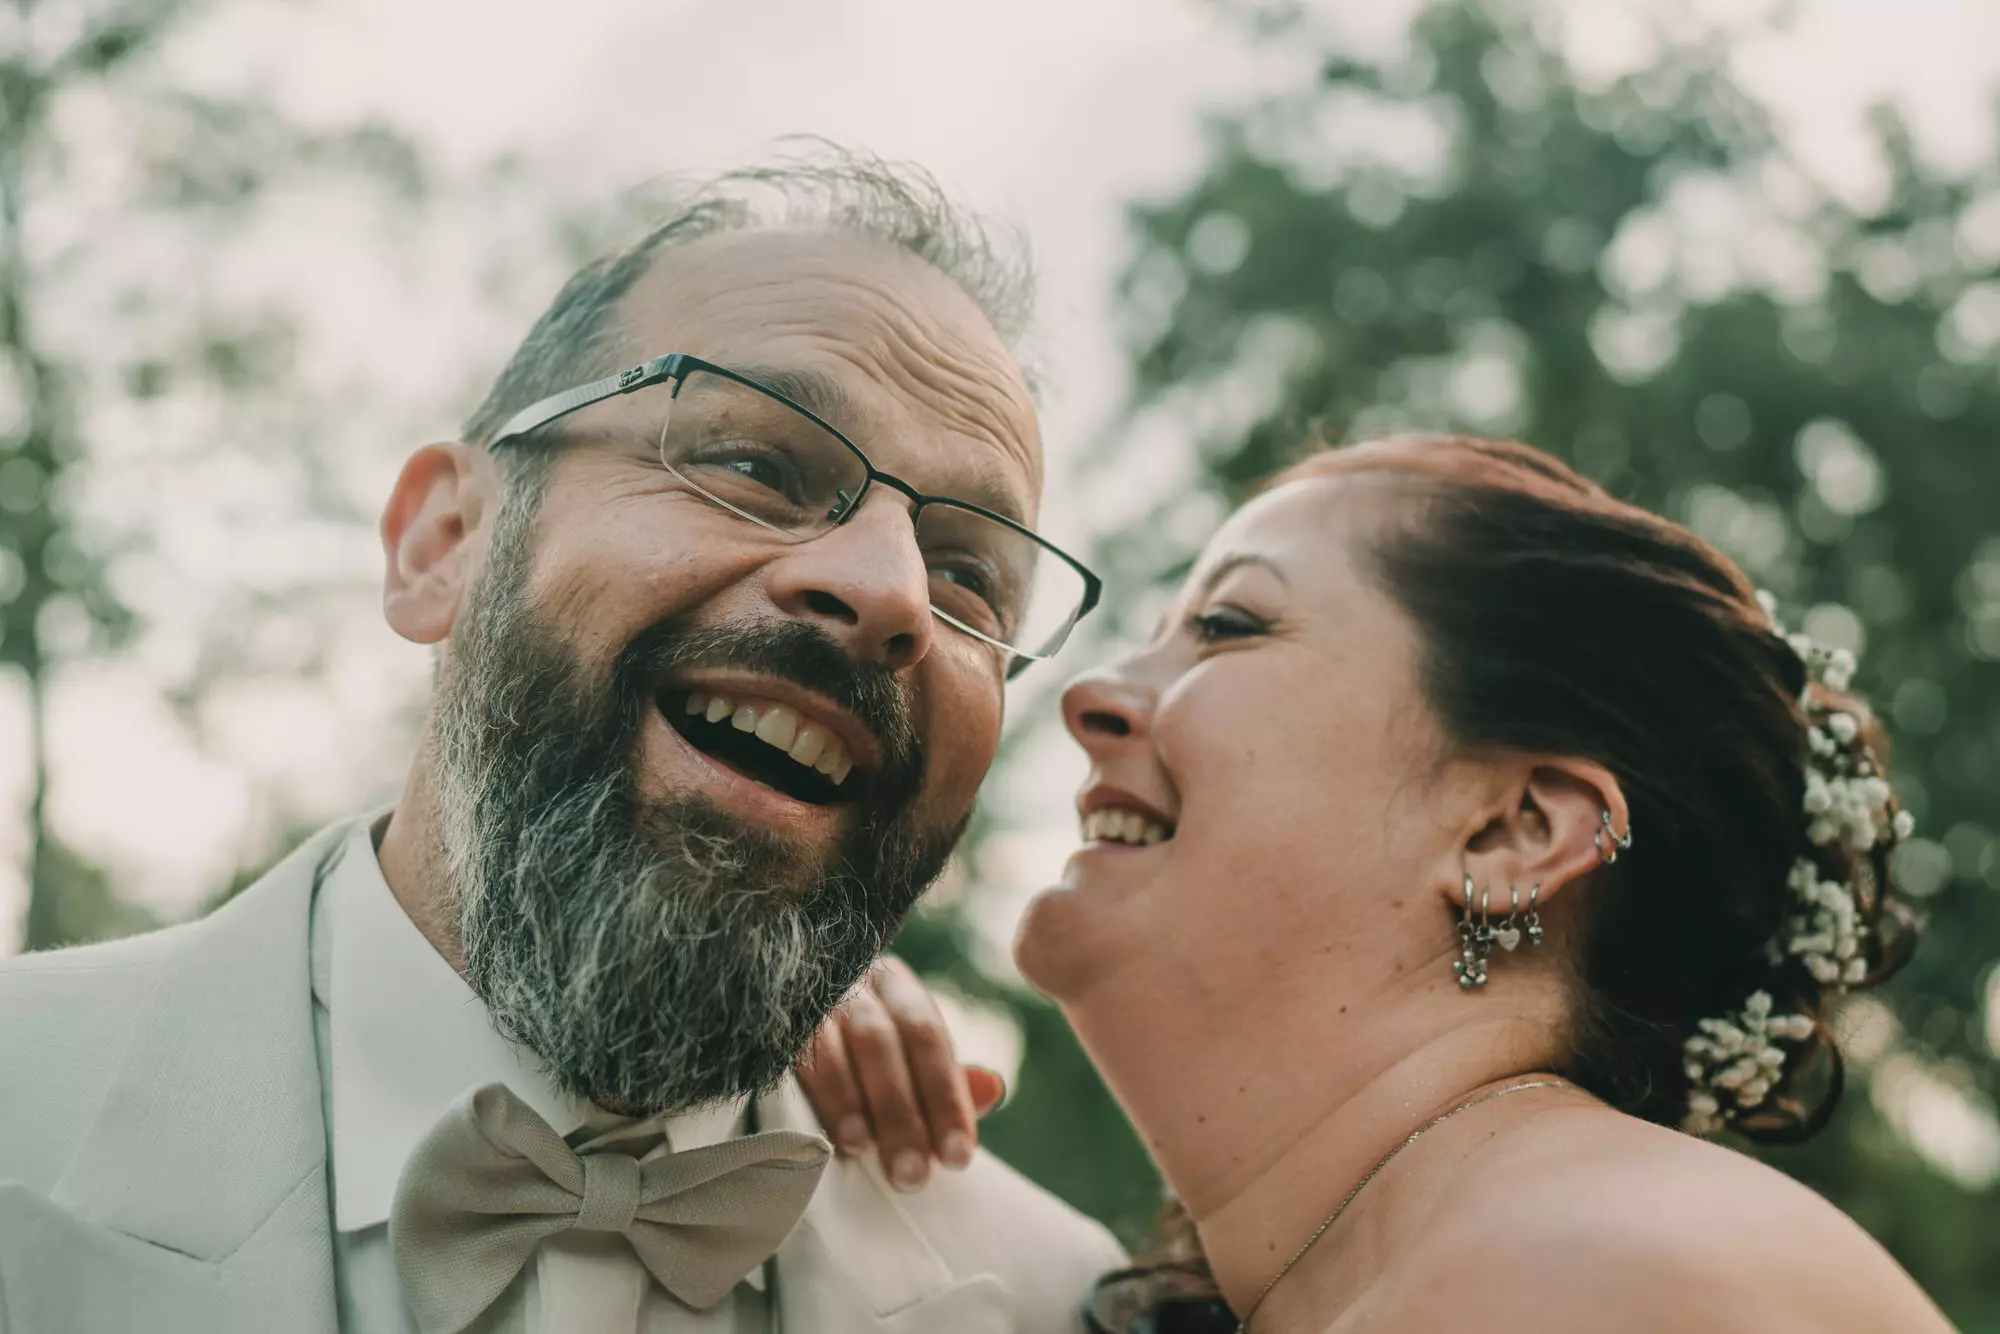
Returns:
(663, 906)
(921, 383)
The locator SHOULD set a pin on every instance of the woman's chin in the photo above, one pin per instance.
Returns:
(1071, 937)
(1097, 918)
(1051, 947)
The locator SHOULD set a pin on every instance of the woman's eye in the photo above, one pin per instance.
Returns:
(1225, 623)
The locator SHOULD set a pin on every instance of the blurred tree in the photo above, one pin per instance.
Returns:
(1468, 233)
(92, 134)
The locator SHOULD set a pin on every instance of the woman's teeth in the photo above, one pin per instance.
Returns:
(1112, 825)
(780, 727)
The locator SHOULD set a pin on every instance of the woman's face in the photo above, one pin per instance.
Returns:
(1261, 802)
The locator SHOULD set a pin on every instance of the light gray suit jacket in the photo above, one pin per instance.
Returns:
(163, 1160)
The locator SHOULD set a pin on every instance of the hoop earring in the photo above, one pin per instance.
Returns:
(1619, 842)
(1473, 947)
(1507, 934)
(1533, 921)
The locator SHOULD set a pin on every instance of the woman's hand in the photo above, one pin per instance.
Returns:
(881, 1074)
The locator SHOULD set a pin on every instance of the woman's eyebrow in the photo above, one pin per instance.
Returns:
(1222, 568)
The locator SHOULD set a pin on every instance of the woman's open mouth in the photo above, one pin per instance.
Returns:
(769, 743)
(1113, 824)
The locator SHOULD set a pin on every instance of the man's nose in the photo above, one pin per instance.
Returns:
(864, 583)
(1106, 708)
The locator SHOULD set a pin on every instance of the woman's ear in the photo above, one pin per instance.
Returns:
(434, 529)
(1553, 832)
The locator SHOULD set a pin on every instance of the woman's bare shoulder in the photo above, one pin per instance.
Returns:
(1590, 1220)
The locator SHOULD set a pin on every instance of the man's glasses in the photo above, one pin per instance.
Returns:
(764, 458)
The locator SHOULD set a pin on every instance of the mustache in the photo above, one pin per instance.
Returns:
(790, 651)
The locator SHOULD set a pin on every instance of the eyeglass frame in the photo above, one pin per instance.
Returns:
(676, 366)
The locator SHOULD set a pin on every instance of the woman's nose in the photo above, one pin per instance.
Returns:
(1104, 706)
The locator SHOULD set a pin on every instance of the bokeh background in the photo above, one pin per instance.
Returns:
(1738, 260)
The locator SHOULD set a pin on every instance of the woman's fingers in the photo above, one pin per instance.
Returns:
(888, 1090)
(827, 1077)
(940, 1081)
(880, 1072)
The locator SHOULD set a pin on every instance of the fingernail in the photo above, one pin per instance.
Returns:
(956, 1149)
(908, 1170)
(852, 1132)
(999, 1087)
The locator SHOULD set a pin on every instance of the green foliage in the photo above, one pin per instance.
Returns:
(1635, 277)
(74, 74)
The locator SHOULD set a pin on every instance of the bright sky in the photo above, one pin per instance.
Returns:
(1052, 113)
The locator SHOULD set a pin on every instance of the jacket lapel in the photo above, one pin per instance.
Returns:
(196, 1199)
(856, 1264)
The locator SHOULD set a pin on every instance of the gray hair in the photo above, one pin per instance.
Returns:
(829, 189)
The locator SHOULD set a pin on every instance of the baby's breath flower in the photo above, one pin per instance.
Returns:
(1848, 805)
(1738, 1056)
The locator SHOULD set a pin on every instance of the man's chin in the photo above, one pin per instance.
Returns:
(784, 868)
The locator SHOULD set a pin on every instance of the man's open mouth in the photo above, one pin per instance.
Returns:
(769, 743)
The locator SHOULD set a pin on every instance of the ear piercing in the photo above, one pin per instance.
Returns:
(1475, 942)
(1507, 935)
(1607, 852)
(1477, 935)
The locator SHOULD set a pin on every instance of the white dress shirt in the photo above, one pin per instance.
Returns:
(400, 1036)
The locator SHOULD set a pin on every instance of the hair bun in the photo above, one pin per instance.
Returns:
(1739, 1066)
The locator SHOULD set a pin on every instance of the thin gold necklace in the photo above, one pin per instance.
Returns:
(1387, 1158)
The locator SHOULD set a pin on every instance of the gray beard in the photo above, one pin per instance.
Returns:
(654, 955)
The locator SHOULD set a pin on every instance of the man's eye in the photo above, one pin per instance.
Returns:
(968, 591)
(759, 470)
(972, 581)
(737, 465)
(1225, 623)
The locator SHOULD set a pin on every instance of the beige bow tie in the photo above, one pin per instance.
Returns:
(492, 1179)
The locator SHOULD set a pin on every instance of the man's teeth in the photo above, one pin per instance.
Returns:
(780, 726)
(1112, 825)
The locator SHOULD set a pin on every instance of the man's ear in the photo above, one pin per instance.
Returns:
(434, 533)
(1551, 830)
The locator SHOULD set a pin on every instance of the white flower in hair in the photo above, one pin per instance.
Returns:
(1825, 931)
(1733, 1064)
(1769, 602)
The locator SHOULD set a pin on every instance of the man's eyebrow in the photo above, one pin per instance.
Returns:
(1227, 564)
(822, 395)
(825, 397)
(988, 489)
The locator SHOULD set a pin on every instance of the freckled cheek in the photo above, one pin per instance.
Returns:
(1255, 772)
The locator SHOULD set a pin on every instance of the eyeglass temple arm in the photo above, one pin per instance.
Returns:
(539, 414)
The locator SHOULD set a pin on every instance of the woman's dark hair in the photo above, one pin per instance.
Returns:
(1553, 618)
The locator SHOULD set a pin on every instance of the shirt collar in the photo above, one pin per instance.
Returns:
(408, 1036)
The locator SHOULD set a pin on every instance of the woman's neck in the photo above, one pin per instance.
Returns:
(1263, 1119)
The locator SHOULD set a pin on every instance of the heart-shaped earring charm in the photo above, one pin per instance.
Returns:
(1507, 937)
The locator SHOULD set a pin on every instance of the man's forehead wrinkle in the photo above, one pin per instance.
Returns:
(890, 316)
(965, 416)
